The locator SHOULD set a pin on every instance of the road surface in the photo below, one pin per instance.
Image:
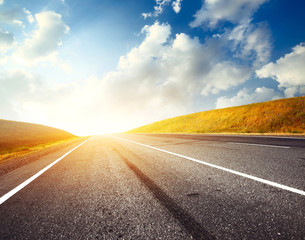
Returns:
(159, 186)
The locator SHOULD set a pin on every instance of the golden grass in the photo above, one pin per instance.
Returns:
(23, 151)
(20, 139)
(284, 116)
(14, 135)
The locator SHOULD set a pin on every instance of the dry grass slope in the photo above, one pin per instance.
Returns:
(280, 116)
(20, 136)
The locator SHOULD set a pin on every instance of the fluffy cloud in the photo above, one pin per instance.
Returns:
(160, 4)
(251, 42)
(244, 97)
(223, 76)
(158, 8)
(148, 74)
(289, 71)
(182, 63)
(44, 42)
(177, 6)
(235, 11)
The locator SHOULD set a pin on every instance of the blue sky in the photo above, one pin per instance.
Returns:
(101, 66)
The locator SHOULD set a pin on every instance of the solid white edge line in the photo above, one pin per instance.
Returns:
(26, 182)
(260, 145)
(228, 135)
(274, 184)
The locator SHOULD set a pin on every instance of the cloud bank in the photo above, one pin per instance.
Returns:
(157, 79)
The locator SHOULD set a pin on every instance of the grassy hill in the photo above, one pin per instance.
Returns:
(279, 116)
(20, 135)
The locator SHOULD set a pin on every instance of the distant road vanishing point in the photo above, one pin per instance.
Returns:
(160, 186)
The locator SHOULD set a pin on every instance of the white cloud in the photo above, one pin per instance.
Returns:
(214, 11)
(243, 97)
(1, 2)
(6, 40)
(29, 15)
(251, 42)
(184, 62)
(45, 41)
(176, 6)
(146, 15)
(247, 42)
(159, 7)
(223, 76)
(289, 71)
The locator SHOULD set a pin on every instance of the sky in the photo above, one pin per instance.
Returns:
(101, 66)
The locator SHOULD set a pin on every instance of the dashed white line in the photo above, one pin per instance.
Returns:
(25, 183)
(261, 180)
(259, 145)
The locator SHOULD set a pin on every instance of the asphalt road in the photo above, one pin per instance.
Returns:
(110, 188)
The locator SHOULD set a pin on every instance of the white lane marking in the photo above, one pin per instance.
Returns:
(228, 135)
(26, 182)
(260, 145)
(270, 136)
(274, 184)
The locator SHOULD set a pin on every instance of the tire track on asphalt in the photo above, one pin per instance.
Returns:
(184, 218)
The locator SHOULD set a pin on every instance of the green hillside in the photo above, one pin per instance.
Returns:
(279, 116)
